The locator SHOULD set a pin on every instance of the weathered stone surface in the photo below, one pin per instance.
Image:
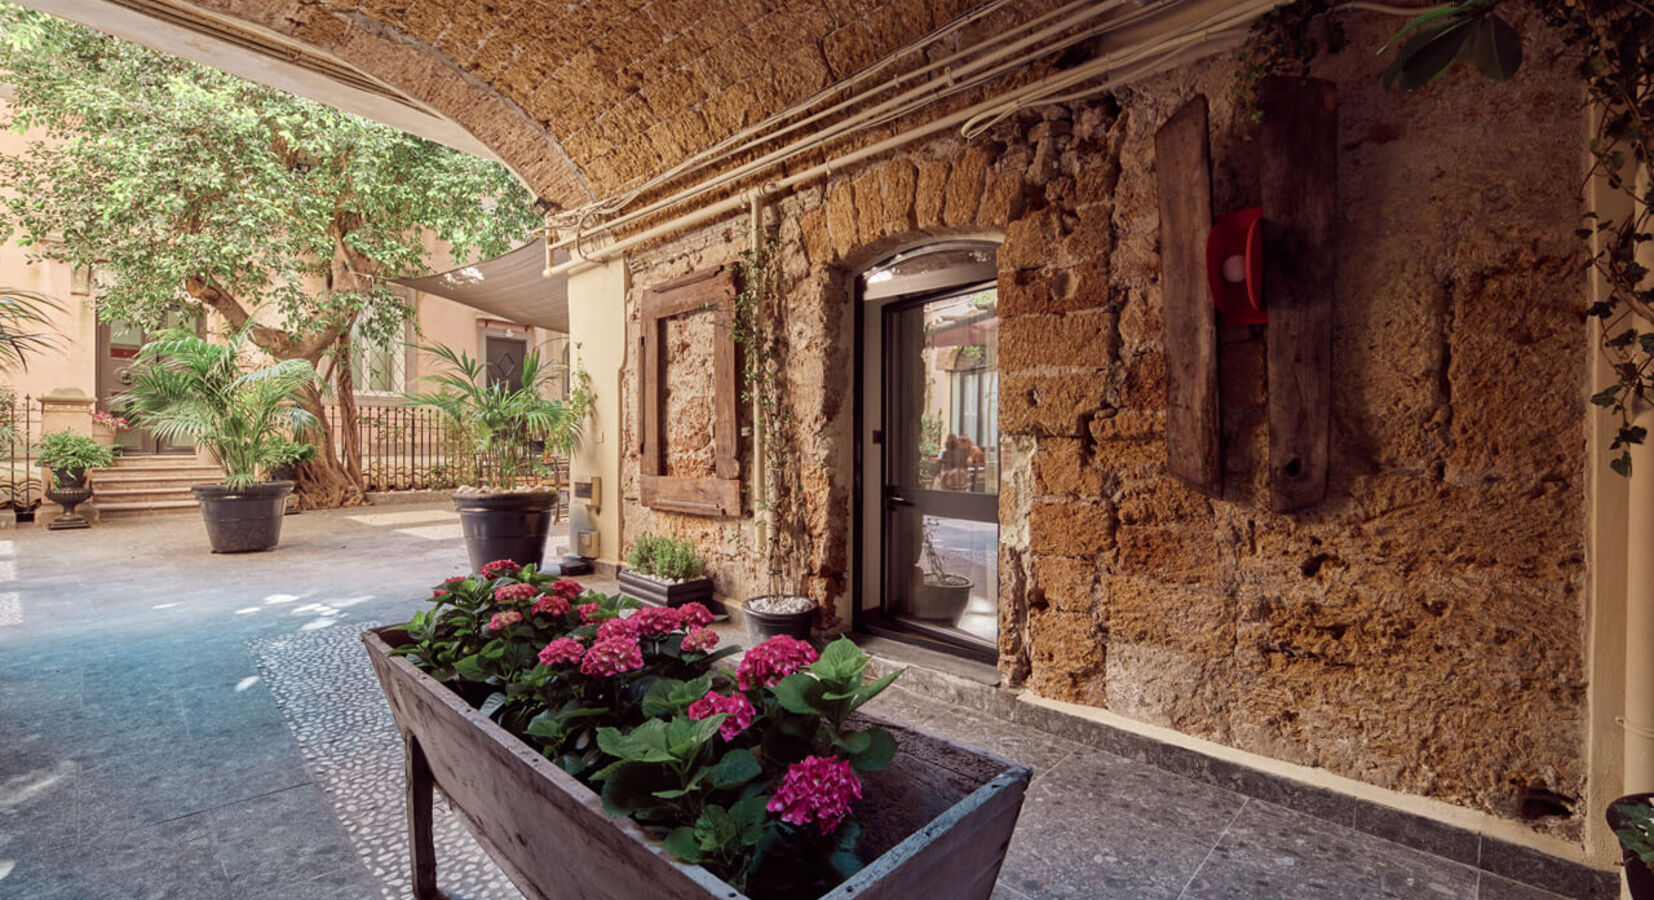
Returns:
(1070, 528)
(1171, 554)
(1049, 404)
(964, 190)
(930, 193)
(1066, 584)
(1083, 340)
(1063, 466)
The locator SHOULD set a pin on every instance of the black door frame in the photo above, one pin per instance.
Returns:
(873, 621)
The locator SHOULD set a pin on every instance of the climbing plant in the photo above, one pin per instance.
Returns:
(1612, 45)
(760, 327)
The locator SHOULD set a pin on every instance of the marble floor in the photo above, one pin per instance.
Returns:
(175, 724)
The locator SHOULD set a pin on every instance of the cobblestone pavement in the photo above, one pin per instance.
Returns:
(175, 724)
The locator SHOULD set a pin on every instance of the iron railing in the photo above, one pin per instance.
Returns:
(21, 489)
(415, 448)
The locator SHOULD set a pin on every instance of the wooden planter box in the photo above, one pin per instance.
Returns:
(939, 817)
(663, 593)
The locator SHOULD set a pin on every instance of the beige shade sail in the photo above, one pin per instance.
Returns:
(510, 286)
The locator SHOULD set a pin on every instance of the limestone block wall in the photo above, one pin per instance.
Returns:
(1422, 628)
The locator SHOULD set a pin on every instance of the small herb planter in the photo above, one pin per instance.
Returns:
(660, 592)
(939, 817)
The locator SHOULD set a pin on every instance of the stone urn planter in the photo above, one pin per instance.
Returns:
(244, 519)
(510, 525)
(661, 592)
(67, 488)
(942, 822)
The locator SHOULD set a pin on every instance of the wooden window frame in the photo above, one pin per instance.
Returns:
(712, 291)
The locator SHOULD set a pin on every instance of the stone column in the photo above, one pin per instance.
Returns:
(65, 409)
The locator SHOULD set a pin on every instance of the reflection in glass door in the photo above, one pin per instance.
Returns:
(940, 484)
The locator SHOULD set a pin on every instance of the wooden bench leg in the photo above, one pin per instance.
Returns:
(421, 848)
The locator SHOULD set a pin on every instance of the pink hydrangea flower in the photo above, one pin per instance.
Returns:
(504, 620)
(653, 620)
(694, 615)
(588, 613)
(773, 660)
(816, 790)
(551, 605)
(567, 589)
(500, 567)
(699, 640)
(438, 593)
(613, 629)
(561, 651)
(456, 579)
(612, 657)
(738, 709)
(514, 593)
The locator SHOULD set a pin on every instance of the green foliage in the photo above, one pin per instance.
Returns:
(1469, 32)
(1637, 832)
(25, 326)
(68, 452)
(1285, 41)
(760, 326)
(500, 422)
(161, 172)
(185, 388)
(665, 557)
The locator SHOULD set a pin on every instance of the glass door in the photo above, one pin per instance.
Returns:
(940, 462)
(119, 344)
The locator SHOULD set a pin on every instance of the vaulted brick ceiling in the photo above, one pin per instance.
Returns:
(582, 97)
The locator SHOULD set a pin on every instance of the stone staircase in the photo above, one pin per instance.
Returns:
(144, 485)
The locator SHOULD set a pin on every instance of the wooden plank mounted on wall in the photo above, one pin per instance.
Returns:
(708, 292)
(1299, 182)
(1182, 172)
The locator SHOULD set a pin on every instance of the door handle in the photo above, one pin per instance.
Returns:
(893, 499)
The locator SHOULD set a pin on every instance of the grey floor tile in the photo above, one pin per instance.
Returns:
(1273, 852)
(341, 884)
(166, 861)
(1495, 888)
(905, 707)
(37, 808)
(1105, 827)
(284, 838)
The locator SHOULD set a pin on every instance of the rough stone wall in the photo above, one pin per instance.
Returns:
(1421, 629)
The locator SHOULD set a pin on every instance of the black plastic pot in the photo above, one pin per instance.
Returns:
(1638, 877)
(761, 626)
(510, 526)
(665, 593)
(246, 519)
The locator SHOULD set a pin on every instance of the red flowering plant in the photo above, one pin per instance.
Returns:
(755, 771)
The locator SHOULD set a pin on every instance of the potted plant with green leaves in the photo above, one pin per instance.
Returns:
(244, 415)
(1632, 818)
(68, 456)
(665, 571)
(285, 459)
(507, 427)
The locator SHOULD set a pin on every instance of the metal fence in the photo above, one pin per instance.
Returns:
(415, 448)
(20, 482)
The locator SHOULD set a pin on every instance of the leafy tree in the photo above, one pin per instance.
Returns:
(194, 191)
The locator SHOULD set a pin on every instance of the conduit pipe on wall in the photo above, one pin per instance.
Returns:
(994, 64)
(1212, 34)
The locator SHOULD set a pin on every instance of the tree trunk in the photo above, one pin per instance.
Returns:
(323, 482)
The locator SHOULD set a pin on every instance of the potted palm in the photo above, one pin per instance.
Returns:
(186, 388)
(68, 457)
(665, 571)
(507, 427)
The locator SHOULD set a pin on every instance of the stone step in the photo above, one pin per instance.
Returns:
(120, 509)
(160, 461)
(136, 491)
(175, 480)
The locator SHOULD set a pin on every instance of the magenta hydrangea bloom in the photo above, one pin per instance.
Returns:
(512, 594)
(562, 651)
(653, 620)
(772, 661)
(455, 579)
(500, 567)
(567, 589)
(816, 790)
(699, 640)
(612, 657)
(551, 605)
(616, 629)
(694, 615)
(738, 709)
(438, 593)
(588, 613)
(504, 620)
